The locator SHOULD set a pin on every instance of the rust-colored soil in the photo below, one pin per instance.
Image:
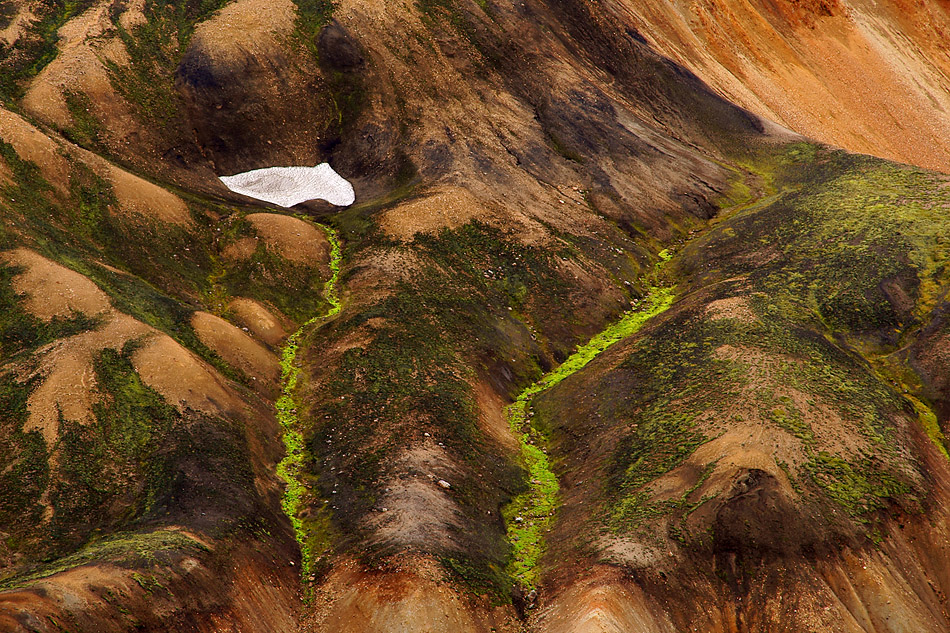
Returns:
(142, 198)
(412, 596)
(254, 591)
(291, 238)
(870, 77)
(520, 168)
(260, 321)
(68, 385)
(238, 349)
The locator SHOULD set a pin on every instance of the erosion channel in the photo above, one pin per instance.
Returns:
(289, 468)
(529, 515)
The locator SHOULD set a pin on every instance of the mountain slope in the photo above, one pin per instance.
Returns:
(765, 454)
(871, 77)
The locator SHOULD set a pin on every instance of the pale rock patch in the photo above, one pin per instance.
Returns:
(420, 512)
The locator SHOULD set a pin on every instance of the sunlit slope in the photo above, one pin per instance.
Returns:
(871, 77)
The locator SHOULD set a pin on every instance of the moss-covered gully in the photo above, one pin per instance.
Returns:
(529, 515)
(307, 530)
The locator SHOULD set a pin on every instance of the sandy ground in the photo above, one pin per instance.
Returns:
(260, 321)
(68, 382)
(182, 378)
(14, 29)
(238, 350)
(84, 42)
(35, 146)
(447, 207)
(245, 26)
(732, 308)
(287, 186)
(137, 198)
(52, 290)
(291, 237)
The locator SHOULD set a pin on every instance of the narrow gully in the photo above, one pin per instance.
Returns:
(529, 515)
(289, 468)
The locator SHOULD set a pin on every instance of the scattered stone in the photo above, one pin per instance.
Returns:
(444, 484)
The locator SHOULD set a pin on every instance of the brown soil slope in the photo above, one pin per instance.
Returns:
(754, 460)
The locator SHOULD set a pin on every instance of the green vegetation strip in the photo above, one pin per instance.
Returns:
(530, 514)
(290, 468)
(127, 549)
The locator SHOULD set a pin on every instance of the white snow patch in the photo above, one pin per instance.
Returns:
(287, 186)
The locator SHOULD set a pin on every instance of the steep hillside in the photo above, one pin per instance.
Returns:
(871, 77)
(763, 435)
(595, 349)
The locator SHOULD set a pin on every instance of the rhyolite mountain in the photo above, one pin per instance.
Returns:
(639, 322)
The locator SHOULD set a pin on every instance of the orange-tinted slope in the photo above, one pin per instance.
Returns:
(872, 77)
